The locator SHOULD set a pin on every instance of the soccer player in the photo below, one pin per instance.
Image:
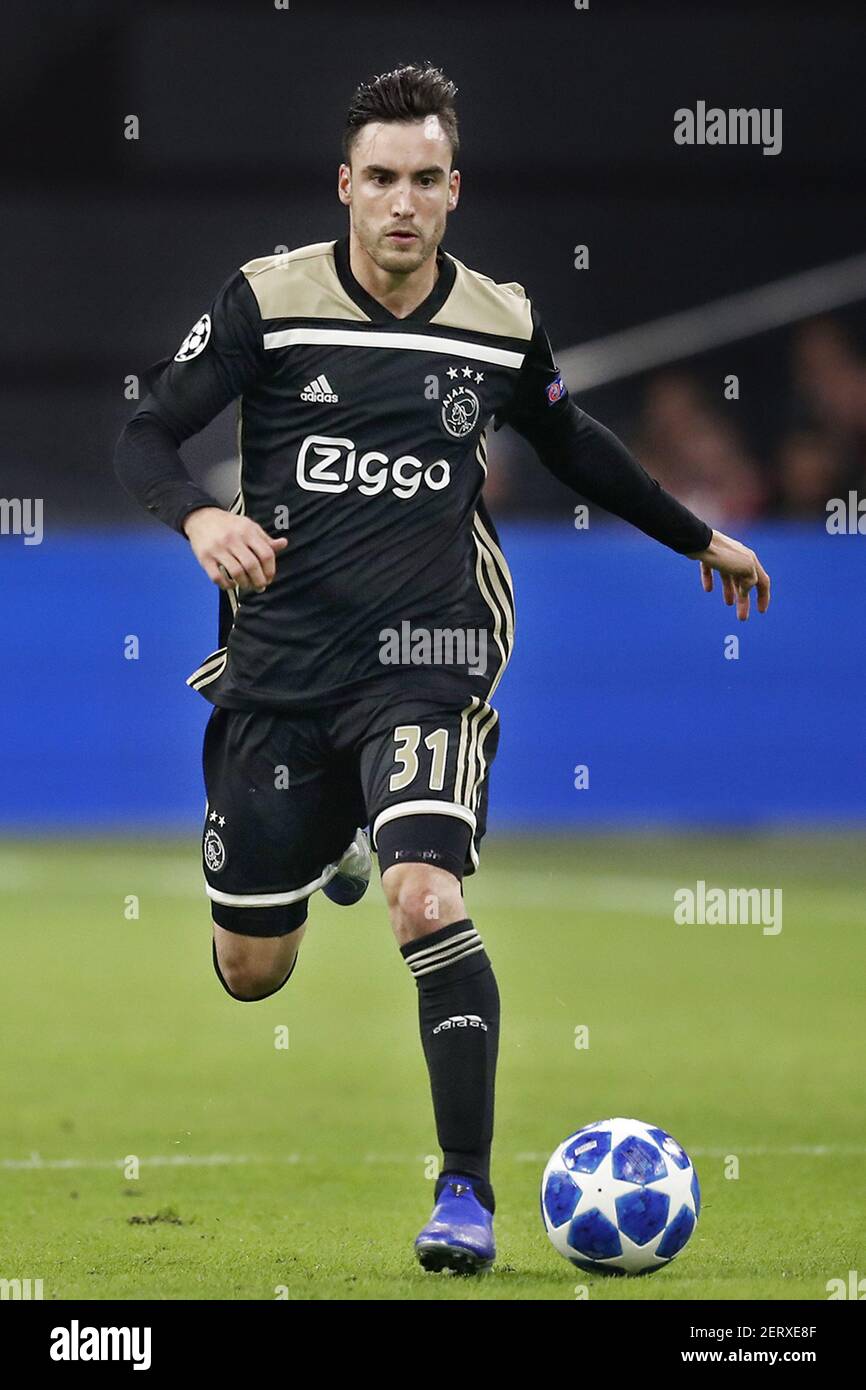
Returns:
(366, 612)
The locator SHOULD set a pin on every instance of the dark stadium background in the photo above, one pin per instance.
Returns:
(112, 248)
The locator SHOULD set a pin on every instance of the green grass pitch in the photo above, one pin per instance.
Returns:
(304, 1171)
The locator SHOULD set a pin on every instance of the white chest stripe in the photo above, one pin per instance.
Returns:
(415, 342)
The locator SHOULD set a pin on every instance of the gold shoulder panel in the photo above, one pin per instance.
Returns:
(300, 284)
(480, 305)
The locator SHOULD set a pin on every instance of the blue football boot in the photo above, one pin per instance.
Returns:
(459, 1234)
(352, 878)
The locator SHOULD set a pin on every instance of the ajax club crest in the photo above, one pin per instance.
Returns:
(460, 411)
(214, 851)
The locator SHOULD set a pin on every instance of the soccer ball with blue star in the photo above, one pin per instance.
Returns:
(620, 1197)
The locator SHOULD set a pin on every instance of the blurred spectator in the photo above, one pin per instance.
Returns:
(696, 451)
(809, 473)
(702, 448)
(830, 379)
(830, 374)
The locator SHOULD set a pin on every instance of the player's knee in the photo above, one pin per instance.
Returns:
(248, 982)
(421, 899)
(248, 974)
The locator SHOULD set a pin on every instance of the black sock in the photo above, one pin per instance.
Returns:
(458, 1007)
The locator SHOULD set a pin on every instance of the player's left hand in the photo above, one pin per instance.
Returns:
(740, 570)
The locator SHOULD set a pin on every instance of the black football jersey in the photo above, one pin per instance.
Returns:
(362, 439)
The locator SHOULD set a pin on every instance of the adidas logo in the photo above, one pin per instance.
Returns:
(319, 390)
(460, 1021)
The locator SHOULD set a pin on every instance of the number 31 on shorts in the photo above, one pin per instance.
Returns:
(408, 737)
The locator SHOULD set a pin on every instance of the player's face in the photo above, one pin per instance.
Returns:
(400, 189)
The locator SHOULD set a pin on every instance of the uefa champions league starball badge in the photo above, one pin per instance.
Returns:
(195, 341)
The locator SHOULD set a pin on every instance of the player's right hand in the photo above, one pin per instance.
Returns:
(233, 550)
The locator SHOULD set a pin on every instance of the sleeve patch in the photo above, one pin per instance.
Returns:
(195, 341)
(556, 389)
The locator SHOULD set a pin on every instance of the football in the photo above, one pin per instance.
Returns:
(620, 1197)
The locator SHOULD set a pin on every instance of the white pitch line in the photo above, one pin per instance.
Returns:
(35, 1163)
(603, 893)
(501, 888)
(533, 889)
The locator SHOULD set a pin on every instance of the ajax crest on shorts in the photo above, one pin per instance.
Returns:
(214, 851)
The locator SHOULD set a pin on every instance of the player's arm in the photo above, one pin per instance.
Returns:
(218, 361)
(592, 461)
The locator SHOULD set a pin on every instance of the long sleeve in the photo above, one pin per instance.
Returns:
(147, 462)
(219, 358)
(589, 458)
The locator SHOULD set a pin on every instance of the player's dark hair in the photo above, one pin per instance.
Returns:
(409, 93)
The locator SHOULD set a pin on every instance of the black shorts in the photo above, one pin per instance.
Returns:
(286, 794)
